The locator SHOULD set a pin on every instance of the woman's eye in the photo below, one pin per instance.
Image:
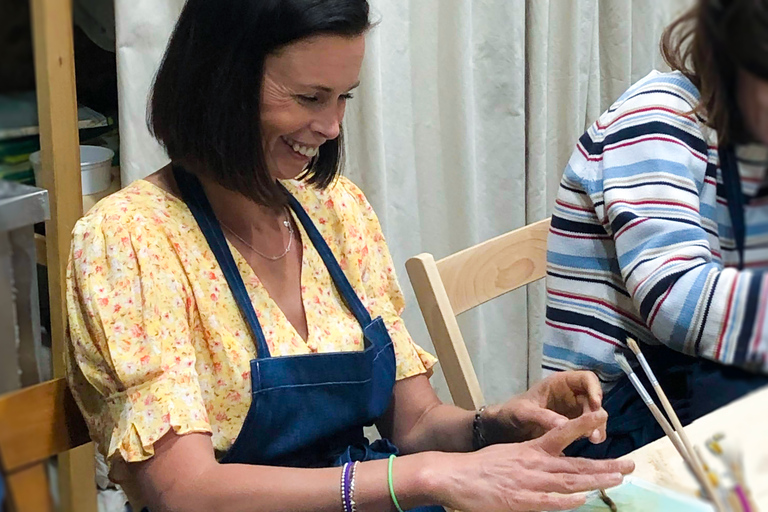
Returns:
(309, 99)
(347, 96)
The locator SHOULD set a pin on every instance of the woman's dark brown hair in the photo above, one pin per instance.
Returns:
(709, 44)
(205, 101)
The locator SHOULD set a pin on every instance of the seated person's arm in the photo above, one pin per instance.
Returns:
(417, 420)
(183, 475)
(654, 177)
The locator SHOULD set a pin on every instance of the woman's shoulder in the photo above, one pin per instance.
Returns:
(671, 89)
(659, 107)
(341, 197)
(340, 211)
(656, 99)
(138, 206)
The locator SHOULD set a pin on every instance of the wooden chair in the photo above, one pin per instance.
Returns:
(466, 279)
(36, 423)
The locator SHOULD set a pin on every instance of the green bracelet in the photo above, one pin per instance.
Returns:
(392, 485)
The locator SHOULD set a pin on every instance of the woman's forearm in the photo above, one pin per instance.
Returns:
(418, 421)
(194, 482)
(242, 488)
(183, 476)
(444, 428)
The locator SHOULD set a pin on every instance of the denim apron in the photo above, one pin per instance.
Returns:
(694, 386)
(307, 410)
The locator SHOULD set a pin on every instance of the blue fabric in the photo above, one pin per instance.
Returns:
(735, 195)
(695, 387)
(307, 410)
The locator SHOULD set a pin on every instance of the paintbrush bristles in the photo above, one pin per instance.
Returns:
(698, 470)
(622, 360)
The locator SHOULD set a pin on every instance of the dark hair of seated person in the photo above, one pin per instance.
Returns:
(204, 106)
(708, 44)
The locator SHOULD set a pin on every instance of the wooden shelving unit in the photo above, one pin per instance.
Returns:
(57, 106)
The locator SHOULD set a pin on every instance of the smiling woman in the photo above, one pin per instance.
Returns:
(229, 76)
(236, 372)
(305, 91)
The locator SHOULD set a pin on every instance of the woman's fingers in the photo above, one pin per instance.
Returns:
(598, 435)
(586, 466)
(532, 475)
(531, 500)
(587, 405)
(588, 384)
(546, 418)
(558, 439)
(555, 464)
(570, 483)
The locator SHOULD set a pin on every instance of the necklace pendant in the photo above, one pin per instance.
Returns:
(286, 223)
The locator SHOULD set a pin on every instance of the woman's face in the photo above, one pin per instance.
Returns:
(305, 91)
(753, 101)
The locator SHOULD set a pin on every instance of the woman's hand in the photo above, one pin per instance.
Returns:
(527, 476)
(548, 404)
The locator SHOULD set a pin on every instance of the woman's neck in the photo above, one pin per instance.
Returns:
(238, 212)
(232, 209)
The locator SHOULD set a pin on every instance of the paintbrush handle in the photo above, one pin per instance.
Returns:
(672, 435)
(666, 427)
(734, 502)
(738, 475)
(698, 472)
(710, 474)
(686, 451)
(697, 469)
(747, 496)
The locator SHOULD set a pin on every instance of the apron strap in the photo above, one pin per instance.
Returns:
(194, 196)
(735, 196)
(339, 278)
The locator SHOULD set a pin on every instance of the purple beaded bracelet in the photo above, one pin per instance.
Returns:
(353, 472)
(348, 487)
(346, 477)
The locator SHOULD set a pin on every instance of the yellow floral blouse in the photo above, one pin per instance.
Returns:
(158, 341)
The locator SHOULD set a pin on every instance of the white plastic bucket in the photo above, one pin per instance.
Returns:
(95, 168)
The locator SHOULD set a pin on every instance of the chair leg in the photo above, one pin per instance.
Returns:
(28, 490)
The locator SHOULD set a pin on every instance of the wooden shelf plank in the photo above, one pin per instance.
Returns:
(41, 249)
(57, 107)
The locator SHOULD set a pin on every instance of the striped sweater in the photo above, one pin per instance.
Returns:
(641, 242)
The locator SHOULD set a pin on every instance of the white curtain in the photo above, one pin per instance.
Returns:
(467, 113)
(142, 29)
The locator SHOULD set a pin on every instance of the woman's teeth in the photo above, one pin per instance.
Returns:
(303, 150)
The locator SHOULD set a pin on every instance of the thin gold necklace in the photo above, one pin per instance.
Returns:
(286, 223)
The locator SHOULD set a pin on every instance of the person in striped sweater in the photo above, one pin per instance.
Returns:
(660, 229)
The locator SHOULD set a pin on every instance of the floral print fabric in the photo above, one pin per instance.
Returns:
(157, 340)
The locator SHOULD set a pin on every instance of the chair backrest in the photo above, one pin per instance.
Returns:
(36, 423)
(466, 279)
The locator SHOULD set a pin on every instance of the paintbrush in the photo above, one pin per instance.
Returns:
(646, 397)
(697, 469)
(707, 470)
(608, 501)
(732, 458)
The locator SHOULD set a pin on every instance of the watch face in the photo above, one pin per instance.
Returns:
(478, 435)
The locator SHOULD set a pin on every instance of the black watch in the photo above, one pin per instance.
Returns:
(478, 433)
